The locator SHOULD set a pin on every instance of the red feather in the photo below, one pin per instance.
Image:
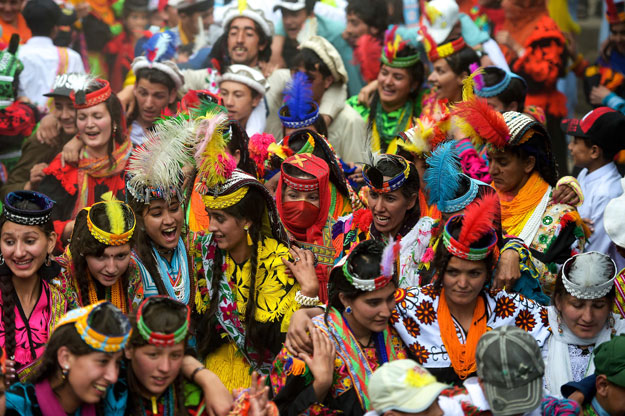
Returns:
(367, 55)
(487, 123)
(479, 219)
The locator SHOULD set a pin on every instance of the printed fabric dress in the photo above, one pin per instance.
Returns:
(291, 379)
(229, 357)
(415, 319)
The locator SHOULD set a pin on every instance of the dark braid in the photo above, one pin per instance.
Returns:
(250, 309)
(8, 311)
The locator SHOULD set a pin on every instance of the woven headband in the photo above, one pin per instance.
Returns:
(161, 339)
(495, 90)
(80, 99)
(390, 185)
(116, 212)
(447, 49)
(291, 122)
(400, 61)
(224, 201)
(458, 249)
(82, 319)
(27, 217)
(458, 204)
(368, 285)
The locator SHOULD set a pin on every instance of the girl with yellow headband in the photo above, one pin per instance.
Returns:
(97, 264)
(245, 296)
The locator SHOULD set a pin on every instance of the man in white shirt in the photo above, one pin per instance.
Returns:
(42, 60)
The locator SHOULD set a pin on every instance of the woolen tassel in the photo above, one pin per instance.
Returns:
(249, 238)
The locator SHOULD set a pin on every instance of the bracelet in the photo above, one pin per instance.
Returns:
(194, 373)
(571, 182)
(306, 301)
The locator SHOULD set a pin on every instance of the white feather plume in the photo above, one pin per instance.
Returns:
(591, 269)
(157, 164)
(80, 82)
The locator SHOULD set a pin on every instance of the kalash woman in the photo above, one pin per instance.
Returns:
(397, 102)
(356, 327)
(31, 307)
(97, 264)
(580, 317)
(80, 364)
(304, 201)
(244, 296)
(393, 213)
(524, 174)
(102, 129)
(155, 179)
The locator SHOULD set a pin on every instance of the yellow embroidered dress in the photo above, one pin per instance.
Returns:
(229, 356)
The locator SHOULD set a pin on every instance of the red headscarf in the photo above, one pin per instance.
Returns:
(304, 221)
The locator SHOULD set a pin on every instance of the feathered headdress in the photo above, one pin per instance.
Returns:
(443, 175)
(158, 53)
(215, 165)
(615, 13)
(374, 178)
(155, 167)
(258, 148)
(480, 122)
(390, 256)
(299, 110)
(436, 52)
(416, 140)
(589, 275)
(367, 54)
(79, 95)
(394, 43)
(477, 223)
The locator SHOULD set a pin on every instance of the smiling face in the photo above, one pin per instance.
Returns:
(243, 42)
(65, 113)
(91, 374)
(463, 281)
(584, 317)
(355, 28)
(394, 86)
(136, 23)
(94, 127)
(581, 154)
(371, 310)
(156, 367)
(446, 83)
(228, 232)
(152, 98)
(389, 210)
(9, 9)
(25, 248)
(293, 22)
(238, 100)
(110, 266)
(163, 222)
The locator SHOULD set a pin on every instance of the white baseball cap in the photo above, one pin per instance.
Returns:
(439, 18)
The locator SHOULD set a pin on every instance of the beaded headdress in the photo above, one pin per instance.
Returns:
(494, 90)
(395, 41)
(615, 11)
(17, 215)
(436, 52)
(10, 67)
(299, 110)
(375, 179)
(83, 318)
(155, 168)
(121, 222)
(390, 255)
(476, 224)
(81, 99)
(158, 53)
(157, 338)
(444, 180)
(589, 275)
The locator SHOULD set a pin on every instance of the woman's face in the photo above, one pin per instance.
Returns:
(228, 232)
(394, 86)
(389, 210)
(163, 222)
(110, 266)
(617, 36)
(136, 23)
(371, 310)
(446, 83)
(25, 248)
(508, 171)
(463, 281)
(584, 317)
(90, 375)
(156, 368)
(94, 127)
(293, 195)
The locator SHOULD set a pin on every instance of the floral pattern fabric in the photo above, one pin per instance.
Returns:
(416, 322)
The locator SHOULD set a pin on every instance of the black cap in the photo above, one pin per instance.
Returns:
(41, 14)
(603, 125)
(62, 85)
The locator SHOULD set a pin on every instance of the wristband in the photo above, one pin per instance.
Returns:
(306, 301)
(194, 373)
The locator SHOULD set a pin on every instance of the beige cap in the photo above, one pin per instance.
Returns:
(329, 55)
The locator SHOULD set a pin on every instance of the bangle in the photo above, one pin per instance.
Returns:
(194, 373)
(306, 301)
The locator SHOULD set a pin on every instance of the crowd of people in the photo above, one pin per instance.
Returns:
(301, 207)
